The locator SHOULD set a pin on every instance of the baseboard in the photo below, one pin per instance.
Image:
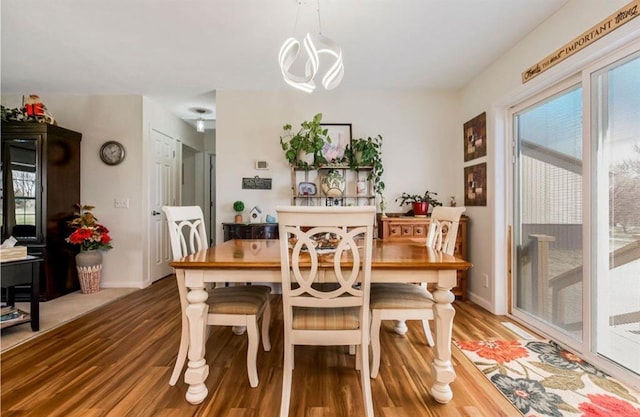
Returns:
(482, 302)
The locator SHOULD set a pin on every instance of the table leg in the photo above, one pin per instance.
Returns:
(400, 327)
(197, 368)
(35, 297)
(443, 313)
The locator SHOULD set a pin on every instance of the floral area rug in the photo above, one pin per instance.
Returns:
(542, 379)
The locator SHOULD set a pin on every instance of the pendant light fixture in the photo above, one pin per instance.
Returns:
(315, 47)
(200, 125)
(200, 120)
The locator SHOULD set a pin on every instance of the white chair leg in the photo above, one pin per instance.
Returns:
(358, 355)
(266, 322)
(375, 343)
(365, 380)
(182, 352)
(252, 351)
(287, 375)
(427, 332)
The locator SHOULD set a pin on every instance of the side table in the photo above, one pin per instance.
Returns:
(23, 272)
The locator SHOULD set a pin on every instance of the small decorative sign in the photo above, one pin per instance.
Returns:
(256, 183)
(609, 24)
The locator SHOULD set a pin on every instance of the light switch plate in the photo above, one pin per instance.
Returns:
(121, 202)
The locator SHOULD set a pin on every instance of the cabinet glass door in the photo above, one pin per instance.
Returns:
(20, 197)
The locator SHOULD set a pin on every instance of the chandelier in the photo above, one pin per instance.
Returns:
(315, 47)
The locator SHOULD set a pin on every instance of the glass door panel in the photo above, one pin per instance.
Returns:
(548, 213)
(616, 213)
(20, 189)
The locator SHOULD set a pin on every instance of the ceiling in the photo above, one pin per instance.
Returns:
(180, 52)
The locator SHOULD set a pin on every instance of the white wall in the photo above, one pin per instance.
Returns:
(494, 91)
(422, 141)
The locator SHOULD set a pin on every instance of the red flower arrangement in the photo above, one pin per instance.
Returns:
(88, 233)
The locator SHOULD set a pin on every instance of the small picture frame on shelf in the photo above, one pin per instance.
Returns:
(307, 188)
(333, 202)
(340, 134)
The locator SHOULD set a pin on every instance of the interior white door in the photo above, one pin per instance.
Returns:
(163, 192)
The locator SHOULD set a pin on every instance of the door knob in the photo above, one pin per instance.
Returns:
(155, 213)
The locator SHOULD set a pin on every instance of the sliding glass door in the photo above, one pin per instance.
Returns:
(576, 213)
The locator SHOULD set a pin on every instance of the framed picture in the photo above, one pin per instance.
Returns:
(475, 137)
(340, 135)
(475, 185)
(333, 202)
(307, 188)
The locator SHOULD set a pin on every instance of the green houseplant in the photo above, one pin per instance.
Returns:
(238, 207)
(368, 152)
(419, 203)
(307, 141)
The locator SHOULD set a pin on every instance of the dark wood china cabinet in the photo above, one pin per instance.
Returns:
(40, 185)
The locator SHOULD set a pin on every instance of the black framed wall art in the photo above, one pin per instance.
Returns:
(340, 134)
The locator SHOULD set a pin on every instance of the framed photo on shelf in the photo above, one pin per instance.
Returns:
(475, 185)
(475, 137)
(340, 135)
(306, 188)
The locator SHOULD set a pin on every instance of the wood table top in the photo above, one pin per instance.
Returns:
(265, 254)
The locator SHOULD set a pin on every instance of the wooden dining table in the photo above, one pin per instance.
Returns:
(258, 261)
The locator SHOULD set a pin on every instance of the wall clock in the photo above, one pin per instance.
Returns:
(112, 152)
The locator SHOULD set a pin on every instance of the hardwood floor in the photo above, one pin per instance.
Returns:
(116, 361)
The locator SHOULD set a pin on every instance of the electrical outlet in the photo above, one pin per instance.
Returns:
(485, 280)
(121, 202)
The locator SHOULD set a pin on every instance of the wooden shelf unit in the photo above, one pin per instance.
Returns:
(350, 196)
(404, 228)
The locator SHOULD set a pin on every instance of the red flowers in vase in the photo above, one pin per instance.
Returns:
(88, 233)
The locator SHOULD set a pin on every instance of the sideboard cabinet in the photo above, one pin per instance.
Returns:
(404, 228)
(250, 231)
(40, 185)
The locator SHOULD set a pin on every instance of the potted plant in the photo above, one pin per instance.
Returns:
(238, 207)
(93, 238)
(303, 149)
(420, 203)
(368, 152)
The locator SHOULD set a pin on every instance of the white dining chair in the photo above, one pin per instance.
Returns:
(228, 306)
(406, 301)
(313, 240)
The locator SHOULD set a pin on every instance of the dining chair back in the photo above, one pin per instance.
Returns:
(186, 230)
(406, 301)
(228, 306)
(326, 255)
(443, 228)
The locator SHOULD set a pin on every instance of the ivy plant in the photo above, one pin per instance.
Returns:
(367, 152)
(310, 139)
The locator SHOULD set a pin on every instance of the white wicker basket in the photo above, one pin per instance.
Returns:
(89, 277)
